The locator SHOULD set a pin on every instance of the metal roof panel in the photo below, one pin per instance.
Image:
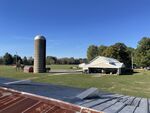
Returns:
(22, 102)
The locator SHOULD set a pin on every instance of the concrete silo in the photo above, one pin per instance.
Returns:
(39, 54)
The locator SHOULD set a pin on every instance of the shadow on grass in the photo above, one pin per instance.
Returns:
(130, 73)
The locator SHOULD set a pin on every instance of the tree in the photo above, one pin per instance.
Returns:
(92, 52)
(8, 59)
(81, 60)
(111, 51)
(18, 58)
(30, 61)
(131, 50)
(1, 60)
(101, 49)
(124, 54)
(51, 60)
(25, 61)
(142, 53)
(144, 45)
(71, 60)
(120, 52)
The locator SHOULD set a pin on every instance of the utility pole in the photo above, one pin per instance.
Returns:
(132, 60)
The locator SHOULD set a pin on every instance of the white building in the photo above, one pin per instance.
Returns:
(103, 64)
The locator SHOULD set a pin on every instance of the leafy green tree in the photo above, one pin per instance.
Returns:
(30, 61)
(144, 45)
(101, 49)
(142, 53)
(1, 60)
(81, 60)
(51, 60)
(111, 51)
(25, 61)
(120, 52)
(18, 58)
(8, 59)
(92, 52)
(71, 60)
(131, 51)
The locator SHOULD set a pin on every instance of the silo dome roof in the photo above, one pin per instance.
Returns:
(39, 37)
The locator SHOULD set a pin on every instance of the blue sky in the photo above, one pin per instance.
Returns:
(70, 26)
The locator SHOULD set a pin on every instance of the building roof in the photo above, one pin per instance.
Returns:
(106, 102)
(116, 103)
(20, 102)
(104, 62)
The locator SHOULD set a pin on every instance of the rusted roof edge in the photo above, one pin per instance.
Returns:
(56, 102)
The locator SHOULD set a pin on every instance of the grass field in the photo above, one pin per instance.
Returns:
(137, 84)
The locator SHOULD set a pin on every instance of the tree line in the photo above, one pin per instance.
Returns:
(139, 55)
(119, 51)
(54, 60)
(9, 59)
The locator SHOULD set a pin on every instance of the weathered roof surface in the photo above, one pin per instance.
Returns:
(115, 103)
(12, 101)
(106, 102)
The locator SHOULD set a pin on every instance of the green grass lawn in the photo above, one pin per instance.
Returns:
(135, 85)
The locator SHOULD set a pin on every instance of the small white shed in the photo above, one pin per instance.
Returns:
(101, 64)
